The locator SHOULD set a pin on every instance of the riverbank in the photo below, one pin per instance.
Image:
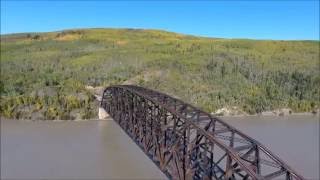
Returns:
(235, 111)
(219, 116)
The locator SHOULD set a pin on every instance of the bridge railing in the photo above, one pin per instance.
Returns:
(186, 142)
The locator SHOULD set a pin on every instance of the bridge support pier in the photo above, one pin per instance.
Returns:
(103, 114)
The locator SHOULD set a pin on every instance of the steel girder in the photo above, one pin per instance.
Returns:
(188, 143)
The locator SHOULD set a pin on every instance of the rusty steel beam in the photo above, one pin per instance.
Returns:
(188, 143)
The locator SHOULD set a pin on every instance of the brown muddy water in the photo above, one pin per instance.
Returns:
(295, 138)
(101, 150)
(71, 150)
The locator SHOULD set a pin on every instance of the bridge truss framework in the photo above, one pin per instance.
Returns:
(188, 143)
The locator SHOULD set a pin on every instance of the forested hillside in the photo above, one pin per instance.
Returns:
(43, 75)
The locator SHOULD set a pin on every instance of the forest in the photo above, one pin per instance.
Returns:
(44, 75)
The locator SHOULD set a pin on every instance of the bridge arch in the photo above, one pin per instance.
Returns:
(188, 143)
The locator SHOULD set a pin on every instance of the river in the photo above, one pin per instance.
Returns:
(101, 150)
(295, 138)
(92, 149)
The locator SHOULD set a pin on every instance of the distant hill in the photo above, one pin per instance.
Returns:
(43, 75)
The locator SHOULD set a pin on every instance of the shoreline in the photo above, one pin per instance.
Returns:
(281, 112)
(269, 115)
(218, 116)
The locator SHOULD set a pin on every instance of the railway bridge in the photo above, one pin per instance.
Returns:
(188, 143)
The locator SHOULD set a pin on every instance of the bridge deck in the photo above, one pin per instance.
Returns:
(71, 150)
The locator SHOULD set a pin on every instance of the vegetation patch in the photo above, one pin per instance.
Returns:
(47, 75)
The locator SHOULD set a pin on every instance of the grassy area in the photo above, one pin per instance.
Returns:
(43, 75)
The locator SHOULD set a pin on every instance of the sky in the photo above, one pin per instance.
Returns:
(280, 20)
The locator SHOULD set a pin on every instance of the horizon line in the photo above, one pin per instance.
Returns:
(159, 29)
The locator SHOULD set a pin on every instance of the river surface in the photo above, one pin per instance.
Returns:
(71, 150)
(101, 150)
(295, 138)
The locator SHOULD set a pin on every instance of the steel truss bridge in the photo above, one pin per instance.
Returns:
(188, 143)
